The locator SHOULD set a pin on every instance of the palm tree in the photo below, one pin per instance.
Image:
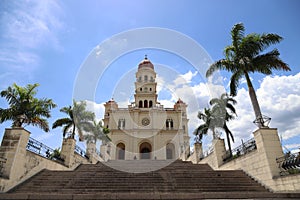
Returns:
(207, 118)
(221, 106)
(78, 116)
(25, 108)
(244, 56)
(97, 132)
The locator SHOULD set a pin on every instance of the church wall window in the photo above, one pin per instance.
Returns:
(140, 79)
(140, 104)
(146, 78)
(141, 89)
(146, 89)
(150, 89)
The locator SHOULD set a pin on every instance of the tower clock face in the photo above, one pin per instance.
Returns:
(145, 121)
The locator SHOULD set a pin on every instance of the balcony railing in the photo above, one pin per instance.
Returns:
(244, 148)
(39, 148)
(80, 151)
(289, 164)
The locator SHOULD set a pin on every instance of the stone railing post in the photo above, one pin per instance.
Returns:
(198, 151)
(13, 152)
(106, 151)
(91, 152)
(67, 151)
(269, 148)
(219, 152)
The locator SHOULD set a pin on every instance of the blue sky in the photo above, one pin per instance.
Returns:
(48, 42)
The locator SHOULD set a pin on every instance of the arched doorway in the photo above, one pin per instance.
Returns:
(170, 151)
(145, 150)
(120, 151)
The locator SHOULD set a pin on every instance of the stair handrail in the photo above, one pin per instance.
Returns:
(39, 148)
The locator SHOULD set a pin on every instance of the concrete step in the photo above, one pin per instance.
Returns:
(103, 179)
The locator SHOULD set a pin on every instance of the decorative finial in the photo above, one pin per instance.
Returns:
(146, 57)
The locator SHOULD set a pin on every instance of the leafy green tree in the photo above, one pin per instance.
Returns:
(224, 109)
(96, 131)
(78, 116)
(247, 55)
(25, 108)
(56, 155)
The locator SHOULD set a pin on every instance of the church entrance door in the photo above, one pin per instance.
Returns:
(120, 151)
(170, 151)
(145, 150)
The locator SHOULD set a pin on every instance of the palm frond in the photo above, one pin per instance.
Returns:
(30, 90)
(268, 39)
(62, 122)
(6, 114)
(39, 122)
(234, 83)
(266, 62)
(222, 64)
(231, 108)
(10, 94)
(237, 34)
(67, 128)
(226, 129)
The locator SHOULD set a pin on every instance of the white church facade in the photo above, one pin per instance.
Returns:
(145, 129)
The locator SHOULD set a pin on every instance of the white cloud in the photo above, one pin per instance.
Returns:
(98, 109)
(32, 23)
(279, 98)
(26, 27)
(185, 78)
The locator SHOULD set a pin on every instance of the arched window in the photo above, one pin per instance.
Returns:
(141, 89)
(140, 79)
(169, 124)
(146, 78)
(120, 151)
(146, 89)
(150, 89)
(140, 104)
(150, 104)
(121, 124)
(145, 104)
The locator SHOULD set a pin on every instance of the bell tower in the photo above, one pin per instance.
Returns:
(145, 85)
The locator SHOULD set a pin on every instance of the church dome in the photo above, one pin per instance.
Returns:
(146, 64)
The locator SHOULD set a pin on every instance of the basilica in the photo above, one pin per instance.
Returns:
(146, 129)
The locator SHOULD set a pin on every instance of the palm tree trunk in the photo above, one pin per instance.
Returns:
(255, 105)
(229, 144)
(73, 132)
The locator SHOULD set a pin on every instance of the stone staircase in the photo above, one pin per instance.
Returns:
(142, 179)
